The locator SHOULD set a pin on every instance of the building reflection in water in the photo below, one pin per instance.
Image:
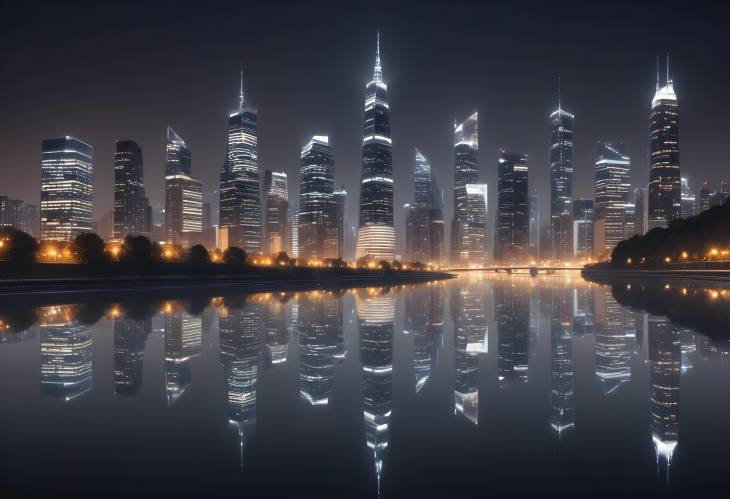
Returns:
(130, 337)
(614, 339)
(512, 314)
(425, 319)
(665, 360)
(66, 354)
(562, 411)
(276, 327)
(583, 309)
(183, 341)
(320, 340)
(468, 312)
(240, 329)
(376, 313)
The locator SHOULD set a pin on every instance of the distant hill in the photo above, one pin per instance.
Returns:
(685, 239)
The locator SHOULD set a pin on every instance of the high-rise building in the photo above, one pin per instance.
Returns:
(512, 230)
(425, 317)
(130, 202)
(705, 197)
(688, 200)
(12, 213)
(561, 179)
(424, 218)
(339, 221)
(317, 230)
(466, 171)
(130, 336)
(31, 219)
(295, 233)
(240, 199)
(665, 198)
(474, 231)
(276, 329)
(534, 226)
(615, 335)
(436, 221)
(640, 211)
(376, 234)
(583, 228)
(512, 315)
(277, 226)
(612, 185)
(562, 404)
(183, 341)
(183, 194)
(67, 188)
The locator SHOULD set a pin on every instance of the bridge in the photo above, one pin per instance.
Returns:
(533, 270)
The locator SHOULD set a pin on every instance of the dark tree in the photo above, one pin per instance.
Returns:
(234, 256)
(384, 265)
(17, 246)
(198, 255)
(396, 265)
(89, 248)
(139, 250)
(282, 259)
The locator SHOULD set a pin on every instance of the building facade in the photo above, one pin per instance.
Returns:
(183, 194)
(561, 181)
(466, 171)
(240, 197)
(340, 196)
(67, 188)
(130, 201)
(689, 207)
(317, 228)
(583, 228)
(512, 225)
(376, 233)
(534, 228)
(277, 224)
(665, 202)
(612, 185)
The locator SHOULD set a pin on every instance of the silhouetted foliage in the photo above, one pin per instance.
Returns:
(282, 259)
(17, 319)
(89, 313)
(384, 265)
(196, 305)
(396, 265)
(234, 256)
(198, 255)
(138, 250)
(18, 247)
(89, 248)
(694, 235)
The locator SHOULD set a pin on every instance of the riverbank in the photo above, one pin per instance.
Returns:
(601, 271)
(252, 280)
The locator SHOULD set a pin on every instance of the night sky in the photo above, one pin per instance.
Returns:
(104, 71)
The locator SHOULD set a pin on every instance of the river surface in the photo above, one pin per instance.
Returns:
(482, 386)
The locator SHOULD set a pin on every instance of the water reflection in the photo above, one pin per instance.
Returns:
(560, 331)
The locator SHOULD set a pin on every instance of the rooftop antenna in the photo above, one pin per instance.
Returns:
(378, 72)
(559, 108)
(668, 80)
(240, 95)
(657, 73)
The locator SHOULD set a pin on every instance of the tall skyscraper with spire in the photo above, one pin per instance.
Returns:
(466, 171)
(665, 188)
(376, 234)
(240, 197)
(561, 180)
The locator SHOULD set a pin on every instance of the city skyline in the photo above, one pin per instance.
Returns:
(493, 129)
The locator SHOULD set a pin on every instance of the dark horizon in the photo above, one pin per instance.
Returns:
(123, 71)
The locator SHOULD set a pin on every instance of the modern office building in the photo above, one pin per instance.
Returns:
(277, 224)
(466, 171)
(295, 233)
(376, 233)
(12, 213)
(317, 229)
(612, 185)
(67, 188)
(275, 322)
(665, 198)
(562, 403)
(130, 201)
(183, 342)
(425, 316)
(641, 213)
(689, 207)
(534, 226)
(512, 227)
(705, 197)
(340, 196)
(240, 197)
(130, 337)
(561, 180)
(614, 341)
(583, 228)
(474, 230)
(512, 315)
(424, 217)
(183, 194)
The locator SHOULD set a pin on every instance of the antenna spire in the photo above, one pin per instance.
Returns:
(559, 107)
(657, 73)
(240, 95)
(668, 80)
(378, 72)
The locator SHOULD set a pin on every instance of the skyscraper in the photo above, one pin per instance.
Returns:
(688, 200)
(183, 193)
(317, 230)
(474, 231)
(665, 203)
(583, 228)
(130, 336)
(130, 203)
(612, 184)
(561, 179)
(562, 405)
(240, 199)
(705, 197)
(67, 188)
(277, 226)
(12, 213)
(512, 315)
(418, 227)
(614, 338)
(340, 211)
(534, 226)
(183, 341)
(466, 171)
(376, 234)
(640, 211)
(512, 229)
